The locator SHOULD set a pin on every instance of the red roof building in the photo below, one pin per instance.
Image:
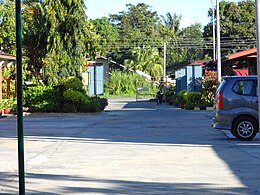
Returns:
(249, 57)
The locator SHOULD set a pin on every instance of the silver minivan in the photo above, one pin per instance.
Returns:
(236, 106)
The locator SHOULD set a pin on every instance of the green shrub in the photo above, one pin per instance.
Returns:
(93, 104)
(180, 97)
(41, 98)
(73, 83)
(193, 97)
(125, 84)
(68, 97)
(188, 100)
(7, 103)
(74, 96)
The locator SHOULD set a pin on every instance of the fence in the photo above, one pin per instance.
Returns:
(145, 90)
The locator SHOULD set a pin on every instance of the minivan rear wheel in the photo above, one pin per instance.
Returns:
(245, 128)
(231, 131)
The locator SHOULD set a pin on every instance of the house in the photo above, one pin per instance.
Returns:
(248, 58)
(189, 76)
(97, 73)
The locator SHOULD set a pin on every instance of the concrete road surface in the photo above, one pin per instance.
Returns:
(131, 148)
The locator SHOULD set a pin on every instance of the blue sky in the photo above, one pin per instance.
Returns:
(191, 10)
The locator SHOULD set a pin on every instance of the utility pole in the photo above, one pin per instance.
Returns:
(257, 8)
(164, 62)
(218, 44)
(213, 31)
(95, 78)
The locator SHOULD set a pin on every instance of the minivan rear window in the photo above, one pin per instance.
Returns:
(243, 87)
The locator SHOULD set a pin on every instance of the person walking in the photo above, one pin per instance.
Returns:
(159, 98)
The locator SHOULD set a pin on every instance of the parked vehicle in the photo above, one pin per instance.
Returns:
(236, 106)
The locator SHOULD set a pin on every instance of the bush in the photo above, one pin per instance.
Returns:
(189, 100)
(41, 98)
(180, 98)
(73, 83)
(193, 97)
(68, 97)
(125, 84)
(74, 96)
(93, 104)
(209, 86)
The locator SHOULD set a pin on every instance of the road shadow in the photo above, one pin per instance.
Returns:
(141, 123)
(85, 186)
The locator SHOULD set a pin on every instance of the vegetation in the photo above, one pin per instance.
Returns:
(147, 60)
(41, 98)
(126, 84)
(7, 26)
(189, 100)
(237, 30)
(58, 39)
(7, 103)
(67, 97)
(209, 86)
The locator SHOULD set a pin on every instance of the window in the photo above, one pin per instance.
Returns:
(243, 87)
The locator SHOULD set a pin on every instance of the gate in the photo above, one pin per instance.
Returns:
(145, 90)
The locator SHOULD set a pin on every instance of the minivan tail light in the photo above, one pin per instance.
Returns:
(220, 99)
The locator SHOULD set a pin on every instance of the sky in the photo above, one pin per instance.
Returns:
(191, 10)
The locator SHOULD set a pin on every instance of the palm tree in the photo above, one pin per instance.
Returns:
(172, 22)
(147, 60)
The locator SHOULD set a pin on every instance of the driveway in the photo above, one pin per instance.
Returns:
(131, 148)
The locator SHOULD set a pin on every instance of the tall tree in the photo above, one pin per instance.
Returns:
(92, 41)
(146, 59)
(171, 33)
(138, 25)
(108, 35)
(192, 40)
(34, 36)
(137, 17)
(237, 26)
(172, 22)
(7, 26)
(66, 22)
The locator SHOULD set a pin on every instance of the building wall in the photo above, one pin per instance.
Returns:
(189, 78)
(96, 85)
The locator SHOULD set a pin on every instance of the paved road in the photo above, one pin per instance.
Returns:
(131, 148)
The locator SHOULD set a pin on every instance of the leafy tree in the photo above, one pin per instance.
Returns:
(171, 33)
(172, 22)
(7, 26)
(193, 39)
(66, 21)
(108, 35)
(137, 17)
(147, 60)
(34, 36)
(138, 26)
(92, 41)
(237, 21)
